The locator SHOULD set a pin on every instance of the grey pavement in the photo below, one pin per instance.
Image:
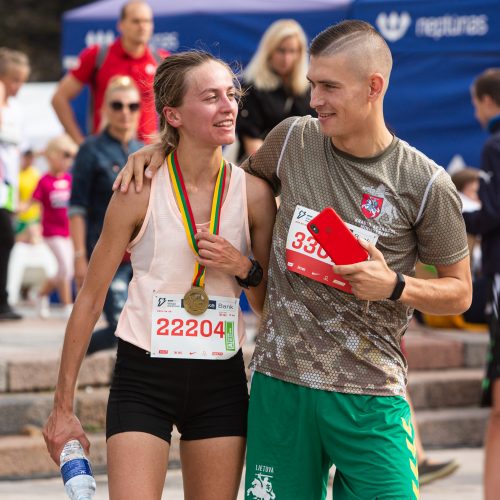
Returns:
(44, 337)
(465, 484)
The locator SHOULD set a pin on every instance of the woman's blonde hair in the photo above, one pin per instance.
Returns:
(9, 58)
(118, 82)
(259, 72)
(170, 87)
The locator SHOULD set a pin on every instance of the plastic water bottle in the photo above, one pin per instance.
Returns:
(76, 472)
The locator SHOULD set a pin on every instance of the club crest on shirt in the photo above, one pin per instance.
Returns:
(261, 488)
(371, 206)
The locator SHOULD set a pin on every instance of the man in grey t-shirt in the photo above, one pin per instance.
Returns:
(329, 383)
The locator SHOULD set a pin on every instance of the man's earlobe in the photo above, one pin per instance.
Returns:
(376, 85)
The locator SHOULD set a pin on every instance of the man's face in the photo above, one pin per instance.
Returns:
(339, 94)
(137, 26)
(482, 110)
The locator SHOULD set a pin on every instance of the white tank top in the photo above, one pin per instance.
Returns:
(163, 261)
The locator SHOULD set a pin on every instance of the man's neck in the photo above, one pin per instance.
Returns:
(494, 123)
(121, 136)
(365, 144)
(133, 49)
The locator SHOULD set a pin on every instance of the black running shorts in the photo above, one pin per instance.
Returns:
(203, 398)
(493, 359)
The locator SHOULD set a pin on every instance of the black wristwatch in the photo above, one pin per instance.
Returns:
(254, 275)
(398, 289)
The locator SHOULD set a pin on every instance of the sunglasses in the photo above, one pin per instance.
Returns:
(118, 106)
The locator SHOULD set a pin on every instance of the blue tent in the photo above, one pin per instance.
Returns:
(439, 46)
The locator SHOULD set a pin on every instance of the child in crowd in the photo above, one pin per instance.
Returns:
(28, 219)
(53, 193)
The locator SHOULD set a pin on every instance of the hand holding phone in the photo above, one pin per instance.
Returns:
(336, 239)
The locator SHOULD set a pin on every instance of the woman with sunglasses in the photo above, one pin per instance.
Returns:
(190, 231)
(96, 167)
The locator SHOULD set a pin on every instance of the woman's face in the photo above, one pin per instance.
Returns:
(122, 110)
(286, 55)
(14, 79)
(209, 108)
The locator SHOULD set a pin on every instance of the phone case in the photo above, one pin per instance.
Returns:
(336, 239)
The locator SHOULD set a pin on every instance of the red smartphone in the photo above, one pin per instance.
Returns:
(331, 232)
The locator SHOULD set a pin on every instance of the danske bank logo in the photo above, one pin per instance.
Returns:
(393, 26)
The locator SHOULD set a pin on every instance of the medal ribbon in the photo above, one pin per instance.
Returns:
(188, 221)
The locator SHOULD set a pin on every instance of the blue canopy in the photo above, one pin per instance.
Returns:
(439, 46)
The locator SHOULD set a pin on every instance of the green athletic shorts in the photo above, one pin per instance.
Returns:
(295, 435)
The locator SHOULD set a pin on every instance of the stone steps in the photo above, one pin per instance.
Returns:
(32, 374)
(452, 427)
(428, 389)
(27, 456)
(445, 371)
(445, 388)
(424, 352)
(445, 349)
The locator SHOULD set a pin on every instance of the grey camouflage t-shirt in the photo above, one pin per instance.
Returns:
(323, 338)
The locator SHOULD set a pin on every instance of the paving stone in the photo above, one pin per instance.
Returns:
(450, 428)
(27, 456)
(20, 410)
(97, 369)
(445, 388)
(3, 376)
(429, 353)
(32, 375)
(91, 408)
(475, 345)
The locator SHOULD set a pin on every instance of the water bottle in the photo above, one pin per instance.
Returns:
(76, 472)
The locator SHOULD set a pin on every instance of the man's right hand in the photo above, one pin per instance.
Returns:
(151, 156)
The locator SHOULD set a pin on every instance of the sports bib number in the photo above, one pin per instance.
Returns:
(177, 334)
(305, 256)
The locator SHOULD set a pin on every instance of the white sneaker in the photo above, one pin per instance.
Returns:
(43, 307)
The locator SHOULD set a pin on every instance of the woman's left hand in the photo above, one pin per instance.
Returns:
(217, 253)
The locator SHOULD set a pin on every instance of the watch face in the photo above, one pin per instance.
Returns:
(256, 276)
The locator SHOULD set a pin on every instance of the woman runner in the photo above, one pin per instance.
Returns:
(190, 232)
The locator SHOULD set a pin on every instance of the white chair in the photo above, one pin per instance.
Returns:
(29, 265)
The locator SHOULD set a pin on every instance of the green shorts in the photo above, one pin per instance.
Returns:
(295, 435)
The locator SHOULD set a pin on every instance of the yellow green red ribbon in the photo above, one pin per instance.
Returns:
(188, 221)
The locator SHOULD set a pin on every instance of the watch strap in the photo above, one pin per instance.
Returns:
(254, 276)
(398, 289)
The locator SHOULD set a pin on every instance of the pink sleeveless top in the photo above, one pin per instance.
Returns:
(163, 261)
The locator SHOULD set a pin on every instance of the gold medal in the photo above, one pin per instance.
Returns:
(196, 301)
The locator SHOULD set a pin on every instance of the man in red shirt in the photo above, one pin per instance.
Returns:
(128, 55)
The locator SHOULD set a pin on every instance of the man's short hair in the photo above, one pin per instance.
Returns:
(359, 38)
(488, 83)
(335, 37)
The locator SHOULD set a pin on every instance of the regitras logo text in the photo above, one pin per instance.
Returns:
(394, 26)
